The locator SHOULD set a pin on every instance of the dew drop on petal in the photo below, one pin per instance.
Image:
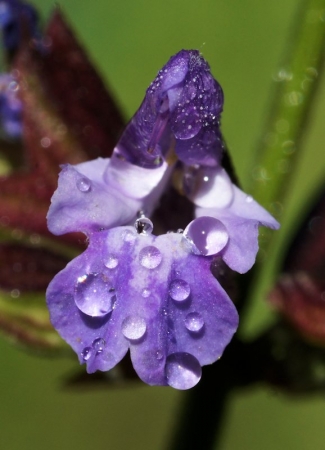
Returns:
(150, 257)
(111, 262)
(208, 235)
(146, 293)
(134, 327)
(84, 185)
(86, 353)
(93, 295)
(179, 290)
(194, 322)
(183, 371)
(143, 225)
(129, 236)
(98, 345)
(159, 355)
(249, 199)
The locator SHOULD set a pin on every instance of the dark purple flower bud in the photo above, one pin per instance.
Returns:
(10, 107)
(18, 20)
(181, 111)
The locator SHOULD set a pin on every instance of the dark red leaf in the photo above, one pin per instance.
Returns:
(300, 292)
(68, 116)
(25, 268)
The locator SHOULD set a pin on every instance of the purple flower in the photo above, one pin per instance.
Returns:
(10, 106)
(132, 290)
(17, 21)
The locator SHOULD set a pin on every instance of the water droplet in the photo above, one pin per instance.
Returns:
(159, 355)
(143, 225)
(146, 293)
(207, 235)
(86, 353)
(249, 199)
(134, 327)
(183, 371)
(150, 257)
(194, 322)
(129, 236)
(84, 185)
(179, 290)
(111, 262)
(94, 296)
(98, 345)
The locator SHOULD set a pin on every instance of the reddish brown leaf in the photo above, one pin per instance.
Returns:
(25, 268)
(68, 116)
(78, 92)
(300, 292)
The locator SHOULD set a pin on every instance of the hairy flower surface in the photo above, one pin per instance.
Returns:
(103, 193)
(155, 295)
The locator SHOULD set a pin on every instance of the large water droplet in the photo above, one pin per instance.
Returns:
(179, 290)
(134, 327)
(98, 345)
(150, 257)
(86, 353)
(183, 371)
(93, 295)
(208, 235)
(84, 185)
(143, 225)
(111, 262)
(194, 322)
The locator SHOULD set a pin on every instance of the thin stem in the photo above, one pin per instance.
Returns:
(203, 412)
(296, 83)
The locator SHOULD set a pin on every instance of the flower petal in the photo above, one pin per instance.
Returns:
(241, 220)
(102, 194)
(209, 187)
(168, 308)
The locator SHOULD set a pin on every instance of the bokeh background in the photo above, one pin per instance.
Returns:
(245, 42)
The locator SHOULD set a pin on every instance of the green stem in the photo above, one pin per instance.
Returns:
(297, 80)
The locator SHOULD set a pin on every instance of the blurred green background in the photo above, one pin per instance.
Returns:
(244, 41)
